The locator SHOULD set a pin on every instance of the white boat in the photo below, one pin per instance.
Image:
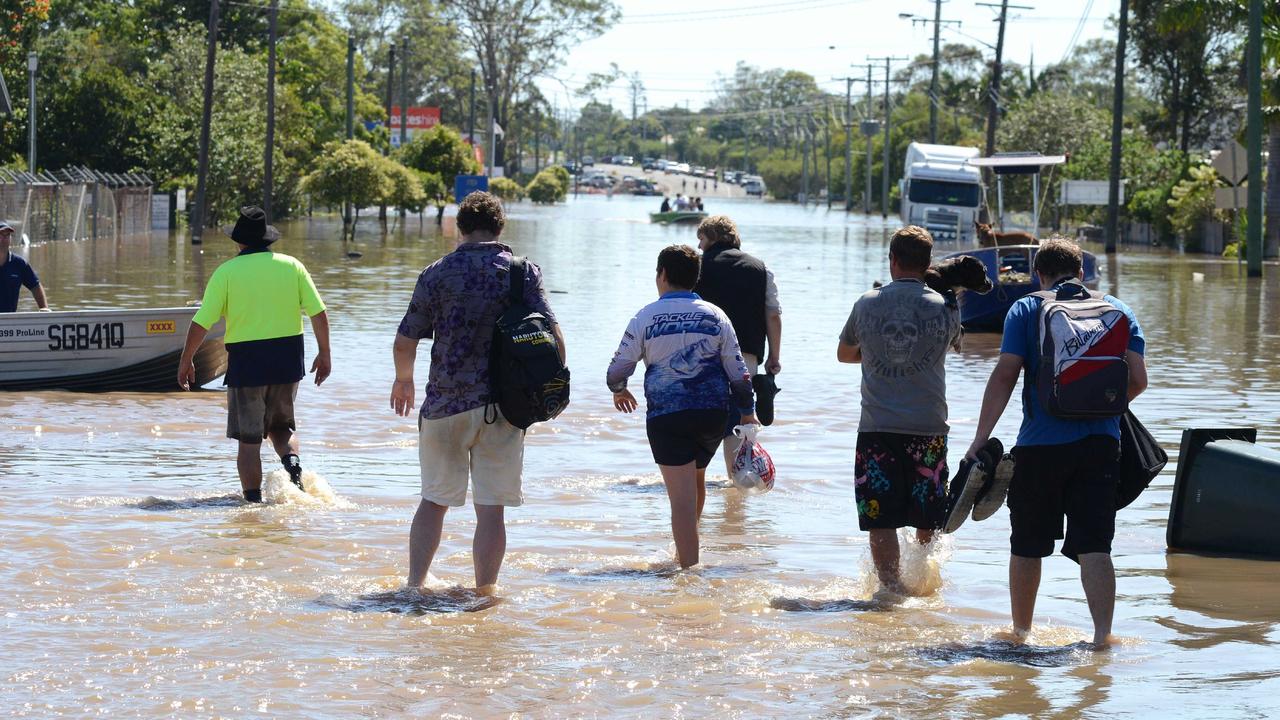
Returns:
(103, 350)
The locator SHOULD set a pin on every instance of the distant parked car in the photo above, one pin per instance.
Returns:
(588, 161)
(730, 176)
(683, 168)
(648, 164)
(572, 167)
(626, 160)
(754, 186)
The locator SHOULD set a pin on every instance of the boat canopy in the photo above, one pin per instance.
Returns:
(1017, 163)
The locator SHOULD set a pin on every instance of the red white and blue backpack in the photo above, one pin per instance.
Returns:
(1082, 374)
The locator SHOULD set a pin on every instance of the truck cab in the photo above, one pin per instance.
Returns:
(941, 192)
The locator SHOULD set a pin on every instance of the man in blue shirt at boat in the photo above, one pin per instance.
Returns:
(1063, 467)
(15, 274)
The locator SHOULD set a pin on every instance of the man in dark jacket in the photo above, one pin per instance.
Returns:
(742, 286)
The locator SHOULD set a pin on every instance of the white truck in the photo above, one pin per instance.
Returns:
(940, 192)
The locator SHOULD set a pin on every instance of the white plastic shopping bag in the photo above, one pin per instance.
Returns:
(753, 469)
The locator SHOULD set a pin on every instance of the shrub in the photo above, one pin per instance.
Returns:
(548, 187)
(506, 188)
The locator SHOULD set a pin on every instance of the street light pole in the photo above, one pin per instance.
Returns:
(202, 170)
(268, 154)
(32, 64)
(1117, 128)
(888, 121)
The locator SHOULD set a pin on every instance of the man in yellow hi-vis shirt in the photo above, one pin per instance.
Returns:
(262, 295)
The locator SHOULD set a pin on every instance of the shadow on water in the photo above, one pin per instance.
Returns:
(640, 487)
(407, 601)
(159, 504)
(1005, 651)
(828, 606)
(654, 571)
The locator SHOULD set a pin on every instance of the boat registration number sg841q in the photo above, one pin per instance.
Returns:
(86, 336)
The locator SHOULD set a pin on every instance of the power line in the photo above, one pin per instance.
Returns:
(1075, 37)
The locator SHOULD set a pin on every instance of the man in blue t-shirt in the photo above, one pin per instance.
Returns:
(15, 274)
(1062, 467)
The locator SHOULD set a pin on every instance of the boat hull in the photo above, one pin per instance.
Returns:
(103, 350)
(676, 217)
(1012, 278)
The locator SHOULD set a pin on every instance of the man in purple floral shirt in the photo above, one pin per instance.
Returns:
(456, 302)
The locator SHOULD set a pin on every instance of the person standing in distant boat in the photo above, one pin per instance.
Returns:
(262, 294)
(1063, 469)
(693, 374)
(15, 274)
(744, 288)
(666, 205)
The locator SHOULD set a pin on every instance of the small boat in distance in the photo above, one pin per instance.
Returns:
(103, 350)
(1011, 269)
(677, 216)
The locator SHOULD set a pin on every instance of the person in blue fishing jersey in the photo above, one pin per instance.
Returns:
(693, 371)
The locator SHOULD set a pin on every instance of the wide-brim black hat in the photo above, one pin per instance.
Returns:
(251, 228)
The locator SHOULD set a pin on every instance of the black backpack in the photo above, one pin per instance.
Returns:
(527, 380)
(1082, 373)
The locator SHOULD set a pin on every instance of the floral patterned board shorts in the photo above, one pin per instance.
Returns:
(901, 480)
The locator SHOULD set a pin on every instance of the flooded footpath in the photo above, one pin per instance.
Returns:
(135, 583)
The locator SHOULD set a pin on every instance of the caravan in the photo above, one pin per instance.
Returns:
(941, 192)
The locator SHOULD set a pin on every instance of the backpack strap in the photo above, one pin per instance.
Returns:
(516, 295)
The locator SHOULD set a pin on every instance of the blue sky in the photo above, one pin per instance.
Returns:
(680, 48)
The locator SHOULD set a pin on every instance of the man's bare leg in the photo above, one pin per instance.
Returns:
(923, 536)
(1024, 583)
(489, 546)
(885, 555)
(424, 540)
(284, 441)
(1098, 576)
(702, 491)
(681, 482)
(249, 466)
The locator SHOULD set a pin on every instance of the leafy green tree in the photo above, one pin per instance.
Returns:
(21, 21)
(514, 41)
(1192, 203)
(436, 193)
(440, 151)
(404, 187)
(1053, 125)
(349, 172)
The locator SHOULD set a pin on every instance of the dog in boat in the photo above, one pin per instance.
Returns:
(989, 238)
(963, 272)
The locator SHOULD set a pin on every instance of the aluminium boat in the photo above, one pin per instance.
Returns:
(103, 350)
(677, 216)
(1011, 269)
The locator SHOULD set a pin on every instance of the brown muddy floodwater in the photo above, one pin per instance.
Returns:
(136, 585)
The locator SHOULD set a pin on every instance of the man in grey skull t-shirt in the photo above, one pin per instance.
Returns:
(900, 333)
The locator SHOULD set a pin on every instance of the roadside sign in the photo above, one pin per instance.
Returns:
(464, 185)
(1232, 163)
(161, 214)
(1087, 192)
(869, 127)
(1231, 198)
(420, 119)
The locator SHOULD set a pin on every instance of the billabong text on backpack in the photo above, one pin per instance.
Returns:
(1082, 373)
(527, 380)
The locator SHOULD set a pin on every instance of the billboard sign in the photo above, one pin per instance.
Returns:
(420, 118)
(1087, 192)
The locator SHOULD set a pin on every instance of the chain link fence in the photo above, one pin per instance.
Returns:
(76, 203)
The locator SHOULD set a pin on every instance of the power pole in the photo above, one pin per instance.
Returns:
(804, 164)
(404, 91)
(993, 93)
(1117, 127)
(202, 173)
(33, 62)
(848, 146)
(866, 201)
(351, 117)
(471, 121)
(933, 76)
(404, 97)
(888, 121)
(271, 108)
(391, 79)
(826, 124)
(1253, 208)
(537, 138)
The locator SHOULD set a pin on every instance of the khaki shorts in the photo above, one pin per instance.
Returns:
(255, 411)
(451, 449)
